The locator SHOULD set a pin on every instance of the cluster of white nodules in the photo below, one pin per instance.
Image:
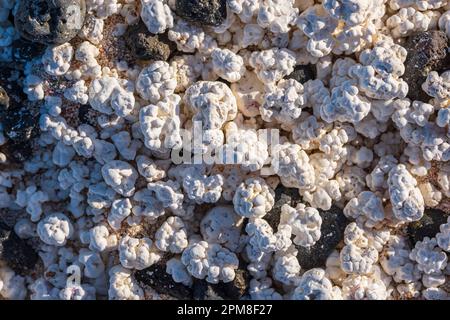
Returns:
(182, 163)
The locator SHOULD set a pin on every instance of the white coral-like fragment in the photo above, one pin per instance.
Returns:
(345, 104)
(227, 65)
(273, 64)
(120, 176)
(352, 12)
(223, 226)
(366, 209)
(56, 59)
(429, 257)
(292, 165)
(137, 253)
(157, 81)
(314, 285)
(55, 229)
(253, 198)
(172, 235)
(197, 184)
(305, 223)
(210, 261)
(122, 285)
(160, 124)
(212, 104)
(443, 236)
(283, 102)
(156, 15)
(406, 198)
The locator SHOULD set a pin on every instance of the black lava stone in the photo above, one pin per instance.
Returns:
(50, 21)
(427, 51)
(208, 12)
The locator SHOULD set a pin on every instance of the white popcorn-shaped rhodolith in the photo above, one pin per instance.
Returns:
(172, 236)
(55, 229)
(305, 223)
(292, 165)
(227, 65)
(12, 285)
(345, 104)
(273, 64)
(421, 5)
(406, 198)
(122, 285)
(437, 86)
(396, 262)
(197, 185)
(156, 15)
(283, 102)
(150, 169)
(249, 94)
(408, 21)
(286, 269)
(160, 124)
(443, 236)
(120, 176)
(253, 198)
(262, 290)
(77, 93)
(100, 239)
(380, 70)
(314, 285)
(178, 271)
(367, 208)
(213, 104)
(93, 264)
(429, 256)
(32, 199)
(277, 15)
(444, 22)
(358, 255)
(223, 226)
(100, 93)
(156, 81)
(210, 261)
(137, 253)
(352, 12)
(120, 210)
(56, 59)
(361, 287)
(190, 38)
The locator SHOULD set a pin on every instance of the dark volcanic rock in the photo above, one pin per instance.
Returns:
(333, 226)
(50, 21)
(428, 226)
(209, 12)
(19, 151)
(426, 52)
(303, 73)
(283, 196)
(4, 101)
(24, 50)
(144, 45)
(20, 124)
(234, 290)
(156, 277)
(11, 81)
(16, 252)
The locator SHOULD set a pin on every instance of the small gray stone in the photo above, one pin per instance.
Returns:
(50, 21)
(427, 51)
(208, 12)
(428, 226)
(303, 73)
(144, 45)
